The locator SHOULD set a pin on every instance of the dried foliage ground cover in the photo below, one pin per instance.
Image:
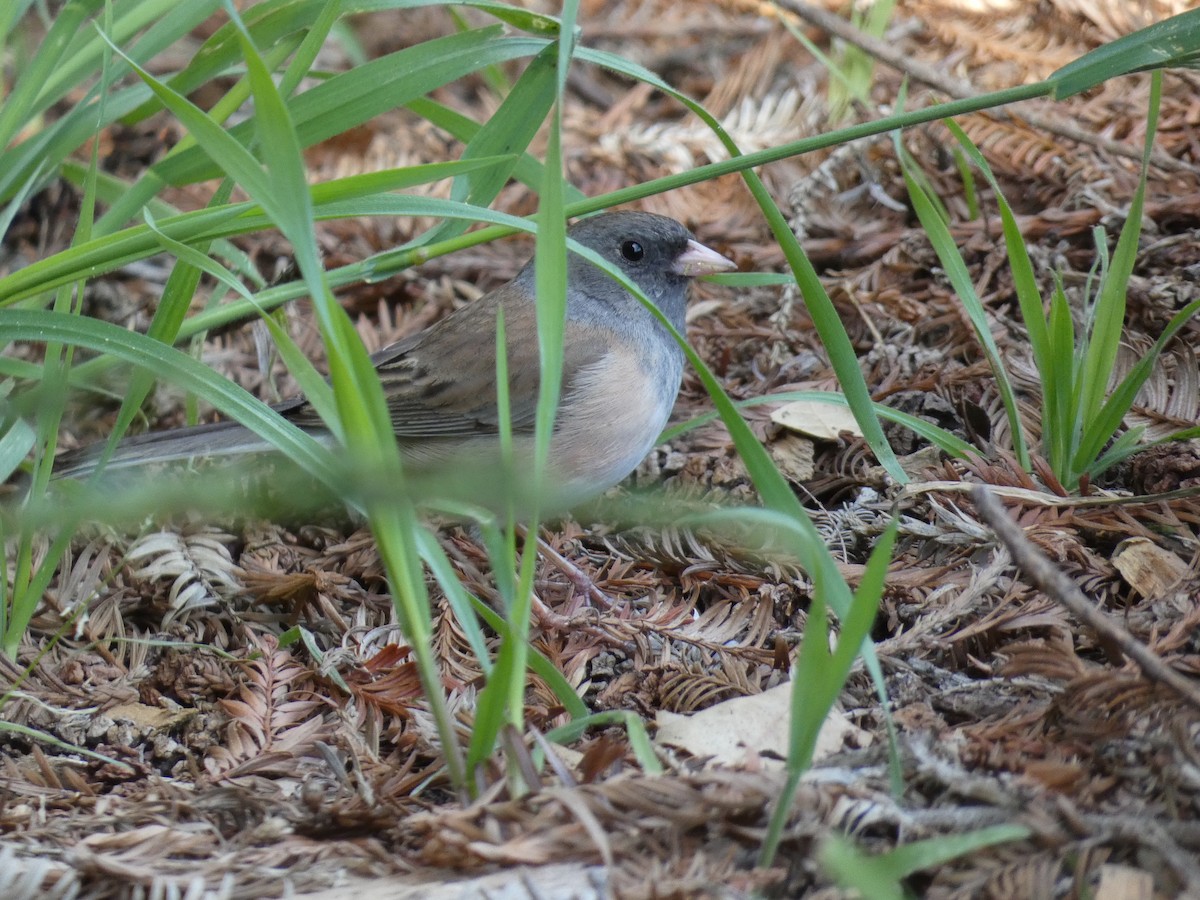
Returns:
(255, 767)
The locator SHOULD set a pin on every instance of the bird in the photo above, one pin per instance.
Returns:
(621, 373)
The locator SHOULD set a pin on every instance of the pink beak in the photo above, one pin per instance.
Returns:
(700, 260)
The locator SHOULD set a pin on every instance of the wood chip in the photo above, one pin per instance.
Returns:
(1149, 569)
(1124, 883)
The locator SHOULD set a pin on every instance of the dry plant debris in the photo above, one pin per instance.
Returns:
(251, 769)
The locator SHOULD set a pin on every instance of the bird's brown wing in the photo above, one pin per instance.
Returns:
(441, 383)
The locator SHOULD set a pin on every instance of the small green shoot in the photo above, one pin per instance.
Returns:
(1082, 411)
(881, 877)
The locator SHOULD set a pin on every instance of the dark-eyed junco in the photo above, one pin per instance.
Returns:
(621, 371)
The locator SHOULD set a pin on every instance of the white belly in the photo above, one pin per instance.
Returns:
(602, 434)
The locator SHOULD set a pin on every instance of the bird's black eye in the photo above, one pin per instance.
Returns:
(632, 250)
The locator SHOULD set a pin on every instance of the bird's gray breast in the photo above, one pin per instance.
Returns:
(614, 407)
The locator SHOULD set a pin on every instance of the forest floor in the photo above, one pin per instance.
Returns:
(258, 768)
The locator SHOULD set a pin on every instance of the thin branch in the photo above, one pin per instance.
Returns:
(1053, 582)
(960, 89)
(1051, 501)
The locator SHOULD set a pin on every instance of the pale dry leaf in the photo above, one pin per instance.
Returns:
(822, 421)
(146, 716)
(563, 880)
(751, 731)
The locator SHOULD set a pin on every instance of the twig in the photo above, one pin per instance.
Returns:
(883, 51)
(960, 89)
(1054, 501)
(1055, 584)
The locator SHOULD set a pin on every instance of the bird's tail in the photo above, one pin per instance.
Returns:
(216, 439)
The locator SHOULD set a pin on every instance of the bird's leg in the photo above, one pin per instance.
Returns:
(543, 615)
(579, 579)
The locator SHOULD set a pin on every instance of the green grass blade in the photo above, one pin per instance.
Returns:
(312, 384)
(306, 56)
(359, 195)
(46, 151)
(956, 272)
(1172, 42)
(503, 698)
(1024, 280)
(506, 134)
(970, 190)
(16, 443)
(20, 104)
(819, 676)
(353, 97)
(168, 316)
(30, 580)
(541, 667)
(1060, 387)
(1099, 419)
(150, 183)
(497, 695)
(177, 368)
(271, 23)
(110, 189)
(881, 876)
(10, 14)
(165, 21)
(526, 170)
(1122, 398)
(361, 412)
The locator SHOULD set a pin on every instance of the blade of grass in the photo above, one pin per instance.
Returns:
(500, 542)
(362, 413)
(29, 583)
(819, 676)
(312, 384)
(955, 269)
(178, 368)
(331, 200)
(502, 700)
(1099, 418)
(164, 326)
(10, 14)
(880, 876)
(15, 445)
(946, 441)
(353, 97)
(160, 23)
(1059, 387)
(150, 183)
(506, 134)
(1172, 42)
(20, 104)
